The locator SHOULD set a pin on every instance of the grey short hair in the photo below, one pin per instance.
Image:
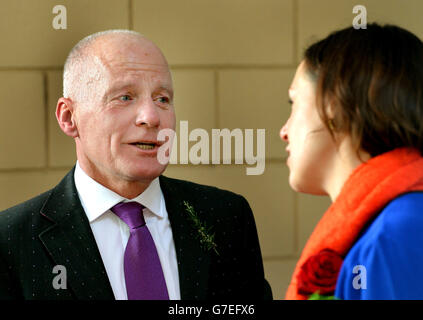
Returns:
(79, 65)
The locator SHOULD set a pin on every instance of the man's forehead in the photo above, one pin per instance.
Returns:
(129, 50)
(130, 62)
(125, 59)
(128, 74)
(119, 79)
(117, 66)
(122, 73)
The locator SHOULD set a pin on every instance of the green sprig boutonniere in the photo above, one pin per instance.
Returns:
(206, 239)
(318, 296)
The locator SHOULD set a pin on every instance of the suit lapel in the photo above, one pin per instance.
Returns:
(70, 242)
(193, 260)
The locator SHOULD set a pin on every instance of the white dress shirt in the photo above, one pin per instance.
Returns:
(112, 234)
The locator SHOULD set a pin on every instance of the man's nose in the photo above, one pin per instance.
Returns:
(148, 113)
(283, 133)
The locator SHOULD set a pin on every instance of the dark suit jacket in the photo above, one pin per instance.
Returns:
(52, 229)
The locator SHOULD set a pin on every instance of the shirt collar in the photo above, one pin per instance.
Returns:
(97, 199)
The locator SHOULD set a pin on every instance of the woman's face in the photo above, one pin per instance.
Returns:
(311, 149)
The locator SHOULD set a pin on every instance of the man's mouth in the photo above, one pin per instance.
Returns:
(145, 145)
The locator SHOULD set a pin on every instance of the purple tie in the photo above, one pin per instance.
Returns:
(143, 271)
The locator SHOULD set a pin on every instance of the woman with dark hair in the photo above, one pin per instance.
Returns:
(355, 133)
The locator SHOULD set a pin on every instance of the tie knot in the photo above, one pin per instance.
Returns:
(130, 213)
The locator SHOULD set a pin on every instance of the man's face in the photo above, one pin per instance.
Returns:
(118, 127)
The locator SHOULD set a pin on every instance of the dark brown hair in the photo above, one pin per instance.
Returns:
(373, 80)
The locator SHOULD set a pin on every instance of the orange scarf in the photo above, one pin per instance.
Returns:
(370, 187)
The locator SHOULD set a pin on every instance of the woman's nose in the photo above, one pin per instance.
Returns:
(284, 133)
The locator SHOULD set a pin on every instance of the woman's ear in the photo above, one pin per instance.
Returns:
(65, 117)
(331, 117)
(330, 111)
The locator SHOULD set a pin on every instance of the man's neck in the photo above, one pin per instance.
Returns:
(126, 188)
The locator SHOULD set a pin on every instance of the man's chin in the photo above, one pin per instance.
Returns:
(146, 174)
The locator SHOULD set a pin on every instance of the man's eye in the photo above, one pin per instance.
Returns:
(125, 97)
(163, 99)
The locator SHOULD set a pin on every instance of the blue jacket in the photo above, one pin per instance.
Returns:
(386, 262)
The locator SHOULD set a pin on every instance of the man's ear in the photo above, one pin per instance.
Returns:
(65, 117)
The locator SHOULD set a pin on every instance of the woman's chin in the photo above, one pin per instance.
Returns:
(305, 186)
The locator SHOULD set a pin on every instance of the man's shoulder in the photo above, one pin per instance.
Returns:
(33, 206)
(25, 209)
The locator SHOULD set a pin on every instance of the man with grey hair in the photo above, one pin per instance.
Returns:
(115, 227)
